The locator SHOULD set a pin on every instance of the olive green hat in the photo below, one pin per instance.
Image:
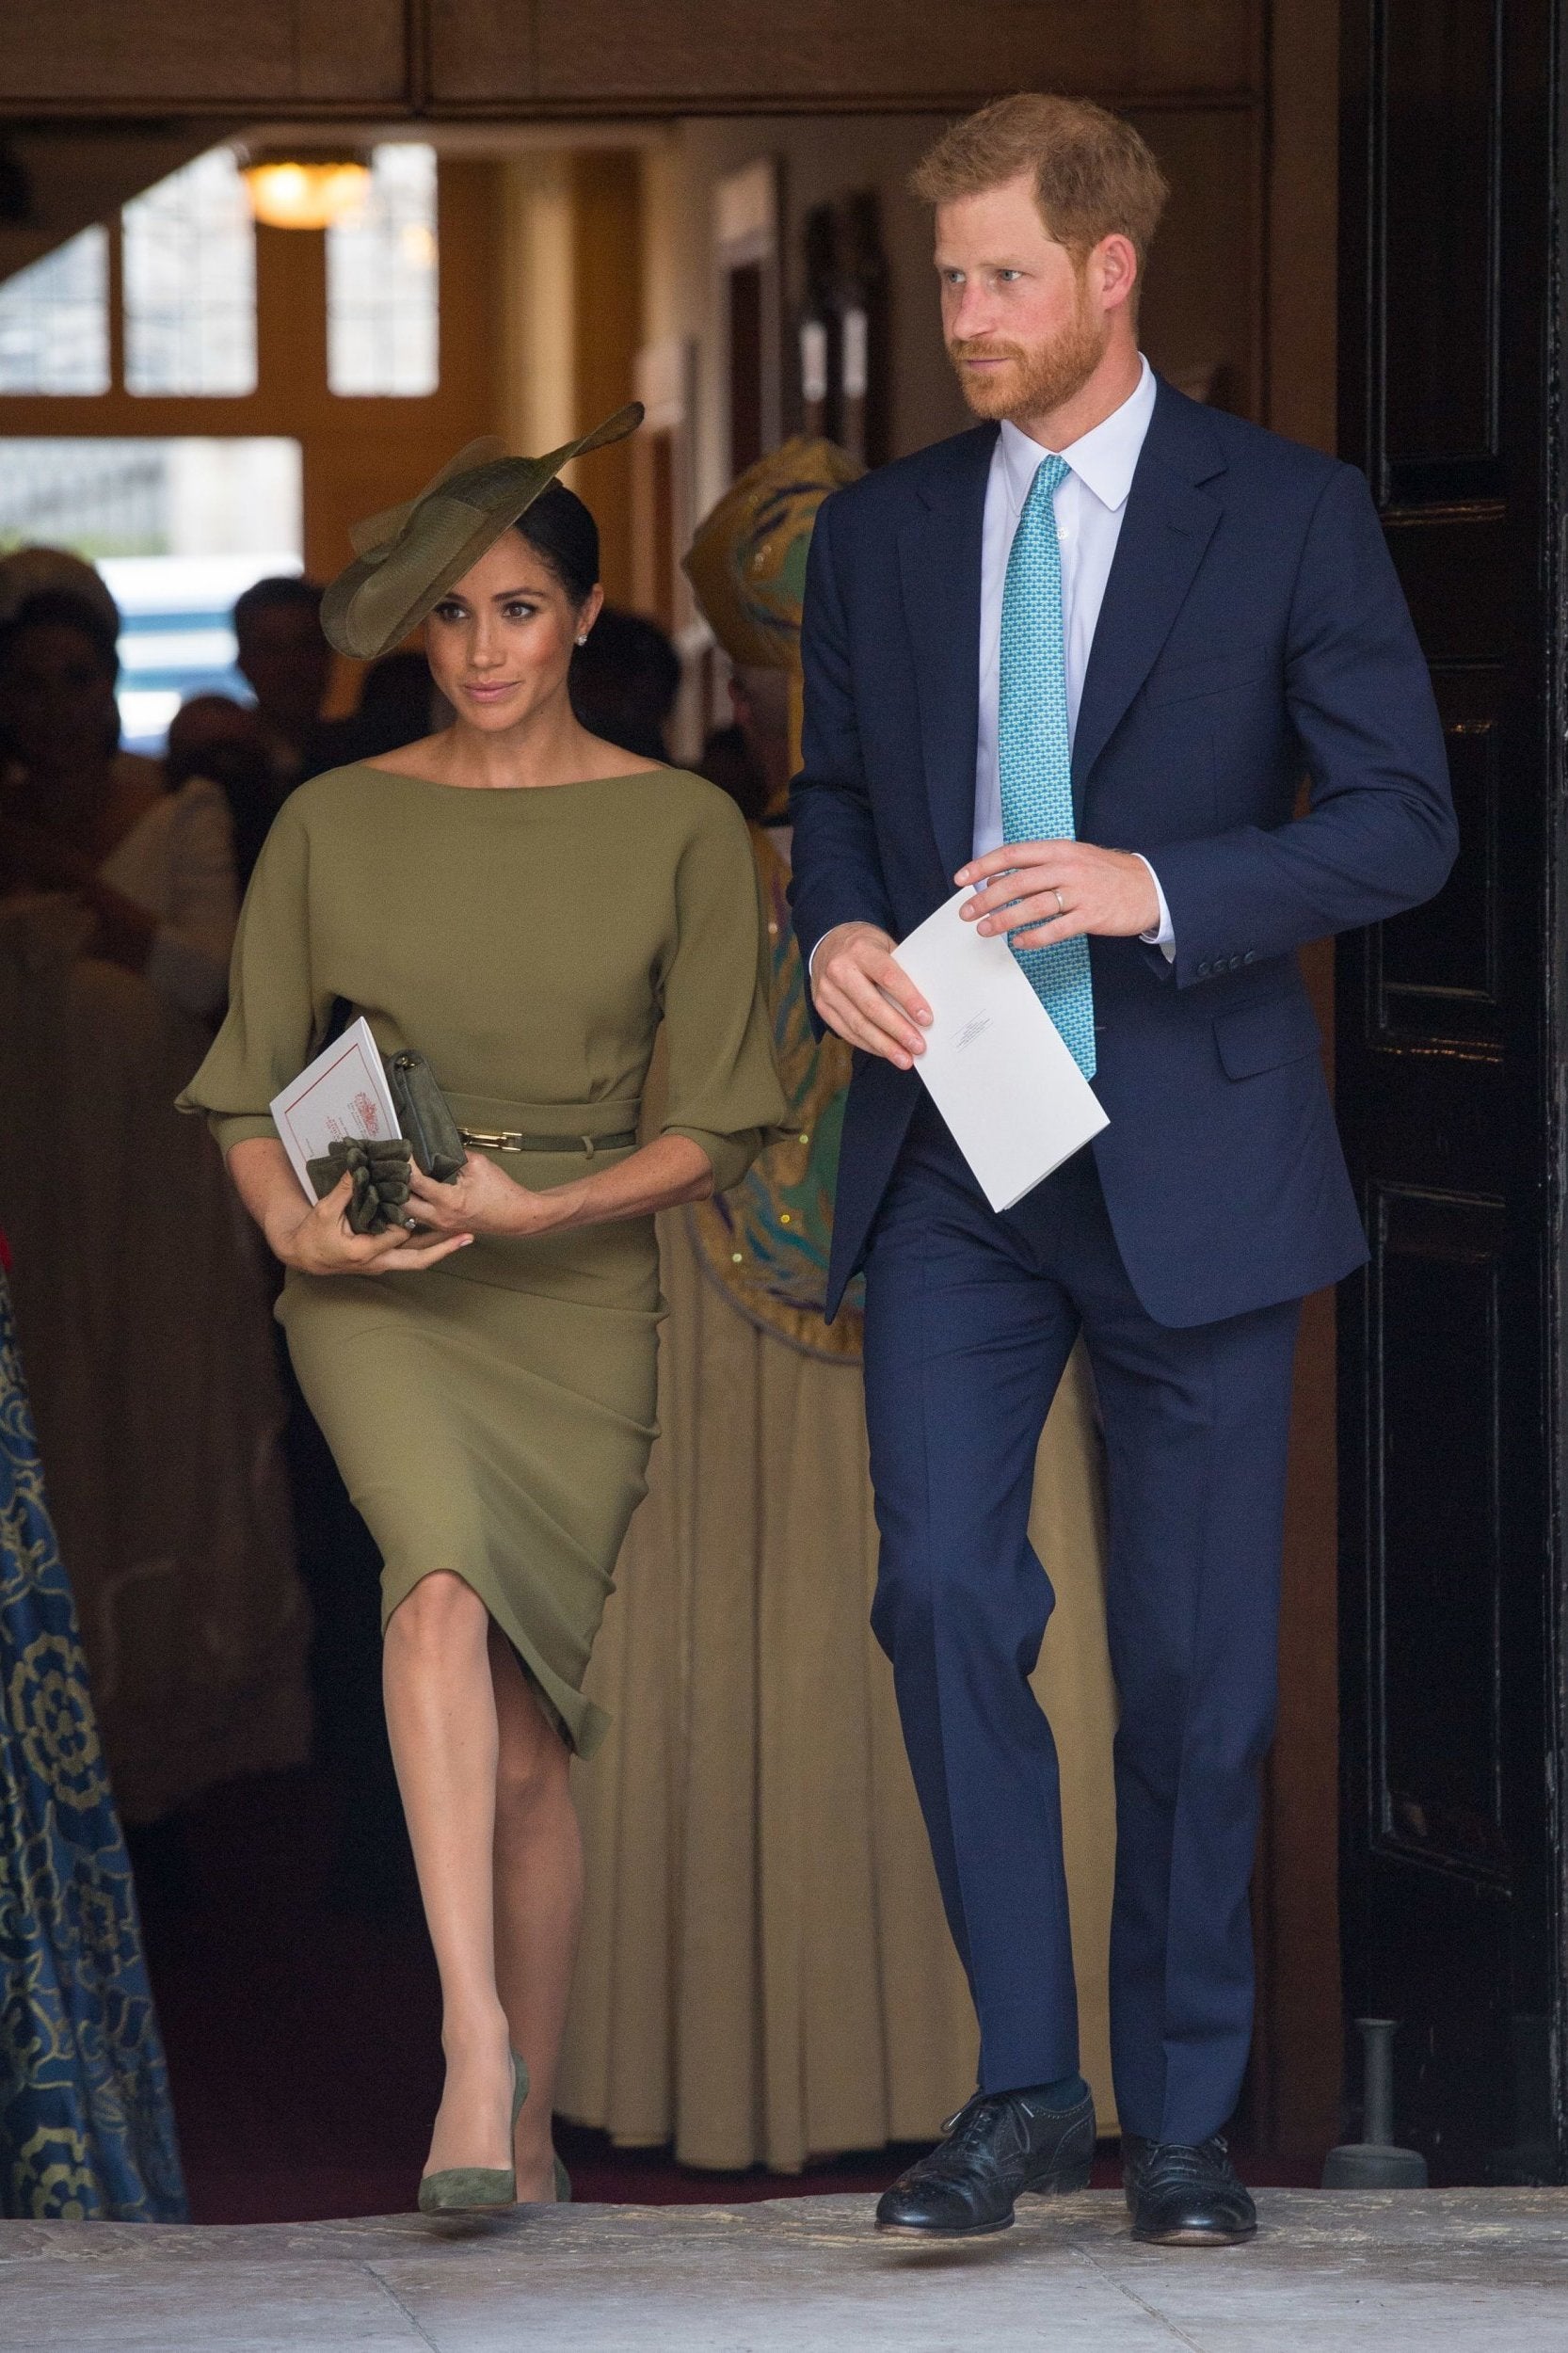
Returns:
(406, 557)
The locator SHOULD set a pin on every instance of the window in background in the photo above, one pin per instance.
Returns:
(383, 306)
(55, 321)
(177, 529)
(190, 282)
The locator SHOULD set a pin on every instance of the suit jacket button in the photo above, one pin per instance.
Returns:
(1251, 956)
(1236, 963)
(1203, 972)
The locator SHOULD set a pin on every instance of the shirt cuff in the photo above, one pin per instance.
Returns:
(1164, 937)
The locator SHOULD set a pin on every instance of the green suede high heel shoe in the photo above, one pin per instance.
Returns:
(477, 2188)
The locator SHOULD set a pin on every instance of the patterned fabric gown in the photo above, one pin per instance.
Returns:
(85, 2126)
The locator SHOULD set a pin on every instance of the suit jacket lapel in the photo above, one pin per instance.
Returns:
(939, 554)
(1168, 524)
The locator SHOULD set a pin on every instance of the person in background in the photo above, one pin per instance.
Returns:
(760, 700)
(624, 681)
(725, 761)
(287, 664)
(397, 705)
(25, 573)
(751, 759)
(214, 737)
(151, 873)
(138, 1298)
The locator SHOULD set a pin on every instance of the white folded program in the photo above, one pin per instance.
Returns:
(995, 1064)
(343, 1093)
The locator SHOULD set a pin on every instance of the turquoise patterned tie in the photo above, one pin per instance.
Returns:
(1034, 748)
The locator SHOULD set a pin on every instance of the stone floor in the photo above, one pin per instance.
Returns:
(1442, 2271)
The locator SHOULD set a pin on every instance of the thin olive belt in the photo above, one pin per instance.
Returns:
(510, 1140)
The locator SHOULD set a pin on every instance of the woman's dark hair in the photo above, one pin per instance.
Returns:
(61, 608)
(559, 527)
(624, 681)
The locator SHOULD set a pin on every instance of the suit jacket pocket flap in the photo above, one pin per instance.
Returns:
(1259, 1037)
(1211, 674)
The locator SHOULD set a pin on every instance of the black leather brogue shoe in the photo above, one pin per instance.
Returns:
(996, 2147)
(1179, 2195)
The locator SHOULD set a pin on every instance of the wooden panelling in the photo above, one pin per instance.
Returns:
(726, 50)
(498, 56)
(357, 51)
(205, 53)
(119, 51)
(482, 54)
(1450, 1100)
(606, 208)
(1438, 1683)
(1202, 316)
(1297, 2058)
(1198, 44)
(1440, 65)
(1436, 972)
(495, 55)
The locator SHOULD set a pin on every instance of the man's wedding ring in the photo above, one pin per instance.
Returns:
(1061, 903)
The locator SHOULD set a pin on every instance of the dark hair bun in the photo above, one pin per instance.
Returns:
(560, 528)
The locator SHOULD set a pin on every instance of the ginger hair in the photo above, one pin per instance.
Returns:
(1095, 176)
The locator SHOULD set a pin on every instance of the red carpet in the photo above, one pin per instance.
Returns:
(302, 2032)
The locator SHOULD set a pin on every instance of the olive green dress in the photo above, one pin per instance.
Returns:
(493, 1415)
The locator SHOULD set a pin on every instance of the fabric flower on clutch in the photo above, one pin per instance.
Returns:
(380, 1167)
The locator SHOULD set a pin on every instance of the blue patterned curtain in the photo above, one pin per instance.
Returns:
(86, 2125)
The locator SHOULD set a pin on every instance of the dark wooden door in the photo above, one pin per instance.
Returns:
(1451, 1079)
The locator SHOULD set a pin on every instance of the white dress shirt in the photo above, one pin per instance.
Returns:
(1090, 502)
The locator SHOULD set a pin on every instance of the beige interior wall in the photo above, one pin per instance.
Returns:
(537, 316)
(821, 159)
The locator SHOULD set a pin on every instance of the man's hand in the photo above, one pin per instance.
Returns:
(860, 993)
(1045, 891)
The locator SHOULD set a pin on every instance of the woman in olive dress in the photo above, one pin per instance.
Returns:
(525, 906)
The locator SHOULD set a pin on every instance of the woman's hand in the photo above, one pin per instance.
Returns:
(319, 1240)
(482, 1200)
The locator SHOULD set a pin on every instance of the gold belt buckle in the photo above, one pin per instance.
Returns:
(494, 1139)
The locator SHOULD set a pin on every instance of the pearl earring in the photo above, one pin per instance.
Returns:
(584, 639)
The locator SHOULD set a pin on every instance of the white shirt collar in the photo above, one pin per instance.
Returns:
(1104, 459)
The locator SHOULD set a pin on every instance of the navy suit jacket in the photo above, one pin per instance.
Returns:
(1252, 631)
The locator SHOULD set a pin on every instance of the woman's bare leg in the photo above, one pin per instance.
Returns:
(445, 1744)
(538, 1900)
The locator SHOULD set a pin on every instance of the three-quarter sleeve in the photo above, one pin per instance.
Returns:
(266, 1037)
(724, 1089)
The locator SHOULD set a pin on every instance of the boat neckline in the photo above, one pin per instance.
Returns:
(518, 792)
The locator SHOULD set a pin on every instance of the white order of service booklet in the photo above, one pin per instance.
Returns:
(343, 1093)
(997, 1071)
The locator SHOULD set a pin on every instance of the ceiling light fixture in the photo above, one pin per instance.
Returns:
(309, 190)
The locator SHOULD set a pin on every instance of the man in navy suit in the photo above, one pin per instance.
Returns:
(1082, 659)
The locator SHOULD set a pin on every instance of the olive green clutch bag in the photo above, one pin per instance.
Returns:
(425, 1117)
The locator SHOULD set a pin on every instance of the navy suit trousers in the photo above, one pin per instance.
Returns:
(970, 1321)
